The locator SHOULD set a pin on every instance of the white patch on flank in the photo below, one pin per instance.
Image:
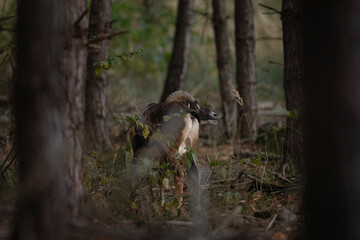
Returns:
(185, 133)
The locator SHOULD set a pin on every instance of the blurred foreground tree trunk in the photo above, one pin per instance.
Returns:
(41, 208)
(292, 23)
(245, 68)
(225, 68)
(73, 70)
(332, 121)
(97, 133)
(180, 56)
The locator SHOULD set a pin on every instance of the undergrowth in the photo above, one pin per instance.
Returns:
(256, 181)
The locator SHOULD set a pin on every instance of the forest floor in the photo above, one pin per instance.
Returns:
(247, 193)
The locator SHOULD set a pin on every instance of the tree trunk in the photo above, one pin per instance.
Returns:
(97, 133)
(180, 55)
(245, 68)
(293, 80)
(332, 120)
(73, 69)
(41, 206)
(225, 67)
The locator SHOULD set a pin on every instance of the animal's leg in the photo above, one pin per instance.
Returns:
(195, 177)
(162, 195)
(179, 183)
(162, 175)
(150, 182)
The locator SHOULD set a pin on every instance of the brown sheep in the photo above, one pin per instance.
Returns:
(174, 126)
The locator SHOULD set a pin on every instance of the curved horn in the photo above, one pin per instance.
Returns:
(180, 96)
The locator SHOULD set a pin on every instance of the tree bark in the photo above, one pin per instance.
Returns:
(73, 69)
(97, 133)
(225, 67)
(41, 205)
(245, 68)
(332, 137)
(180, 55)
(292, 23)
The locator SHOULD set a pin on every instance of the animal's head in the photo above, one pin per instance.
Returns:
(207, 116)
(204, 114)
(185, 98)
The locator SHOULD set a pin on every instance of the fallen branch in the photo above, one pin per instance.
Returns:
(278, 175)
(271, 186)
(271, 222)
(247, 154)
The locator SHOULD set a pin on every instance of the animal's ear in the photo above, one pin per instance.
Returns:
(189, 105)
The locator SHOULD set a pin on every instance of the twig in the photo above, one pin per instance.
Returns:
(271, 222)
(278, 175)
(112, 21)
(110, 36)
(81, 17)
(266, 183)
(4, 59)
(224, 181)
(12, 160)
(270, 8)
(276, 63)
(204, 14)
(11, 63)
(247, 154)
(6, 158)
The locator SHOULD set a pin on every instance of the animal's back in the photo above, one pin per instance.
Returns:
(169, 124)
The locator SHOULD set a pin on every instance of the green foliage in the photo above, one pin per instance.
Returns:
(189, 156)
(272, 139)
(181, 114)
(232, 198)
(99, 67)
(223, 165)
(292, 114)
(150, 28)
(132, 119)
(260, 156)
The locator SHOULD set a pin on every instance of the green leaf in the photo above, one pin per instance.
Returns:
(107, 65)
(123, 57)
(194, 157)
(292, 114)
(145, 131)
(188, 163)
(98, 71)
(257, 162)
(166, 118)
(223, 172)
(214, 163)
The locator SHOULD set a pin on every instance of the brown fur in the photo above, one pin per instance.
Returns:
(174, 125)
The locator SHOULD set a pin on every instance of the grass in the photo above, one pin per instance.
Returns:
(243, 187)
(256, 183)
